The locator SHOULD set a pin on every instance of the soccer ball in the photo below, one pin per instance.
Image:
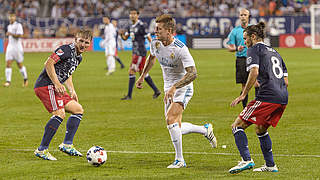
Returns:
(96, 156)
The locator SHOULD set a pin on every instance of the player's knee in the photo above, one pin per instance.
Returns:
(61, 114)
(170, 119)
(79, 110)
(260, 129)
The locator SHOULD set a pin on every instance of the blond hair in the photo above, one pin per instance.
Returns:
(168, 22)
(84, 33)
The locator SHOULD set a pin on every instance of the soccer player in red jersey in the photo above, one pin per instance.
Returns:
(51, 87)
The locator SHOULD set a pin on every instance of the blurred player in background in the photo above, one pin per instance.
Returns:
(110, 45)
(179, 71)
(50, 90)
(115, 24)
(236, 44)
(138, 34)
(14, 50)
(265, 65)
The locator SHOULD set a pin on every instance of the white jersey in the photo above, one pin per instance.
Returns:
(15, 43)
(110, 34)
(173, 59)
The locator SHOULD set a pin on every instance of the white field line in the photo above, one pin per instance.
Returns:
(203, 153)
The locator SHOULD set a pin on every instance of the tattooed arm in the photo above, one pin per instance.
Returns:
(187, 79)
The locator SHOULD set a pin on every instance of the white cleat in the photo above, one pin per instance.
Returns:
(242, 165)
(210, 136)
(44, 155)
(177, 164)
(265, 168)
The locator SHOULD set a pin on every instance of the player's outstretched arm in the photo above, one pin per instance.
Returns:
(70, 87)
(49, 66)
(147, 67)
(252, 78)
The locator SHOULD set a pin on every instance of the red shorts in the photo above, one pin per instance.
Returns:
(137, 63)
(51, 99)
(262, 113)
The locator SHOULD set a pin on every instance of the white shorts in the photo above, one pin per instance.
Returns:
(110, 48)
(182, 95)
(13, 54)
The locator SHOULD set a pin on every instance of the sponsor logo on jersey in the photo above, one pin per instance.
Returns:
(60, 103)
(253, 119)
(59, 52)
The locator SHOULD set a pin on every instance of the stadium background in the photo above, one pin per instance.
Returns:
(138, 143)
(202, 24)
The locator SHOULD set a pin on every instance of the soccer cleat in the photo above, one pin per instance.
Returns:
(126, 98)
(210, 136)
(265, 168)
(156, 94)
(242, 165)
(69, 149)
(177, 164)
(25, 83)
(6, 84)
(44, 155)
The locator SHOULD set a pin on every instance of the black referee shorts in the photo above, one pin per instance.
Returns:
(241, 70)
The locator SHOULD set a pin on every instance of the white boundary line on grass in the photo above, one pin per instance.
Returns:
(202, 153)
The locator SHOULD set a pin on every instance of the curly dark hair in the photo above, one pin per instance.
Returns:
(257, 29)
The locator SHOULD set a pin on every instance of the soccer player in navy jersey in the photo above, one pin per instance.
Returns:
(266, 66)
(50, 88)
(138, 34)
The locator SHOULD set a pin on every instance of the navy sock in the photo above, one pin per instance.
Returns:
(245, 101)
(151, 84)
(49, 131)
(132, 80)
(241, 140)
(119, 61)
(72, 127)
(266, 148)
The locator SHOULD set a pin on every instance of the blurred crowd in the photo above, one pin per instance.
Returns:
(151, 8)
(147, 8)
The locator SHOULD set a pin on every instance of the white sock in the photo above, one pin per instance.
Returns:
(23, 71)
(187, 128)
(176, 137)
(8, 74)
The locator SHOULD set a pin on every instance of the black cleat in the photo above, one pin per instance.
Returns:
(122, 66)
(126, 98)
(156, 94)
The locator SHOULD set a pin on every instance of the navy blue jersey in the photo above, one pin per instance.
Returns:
(138, 35)
(67, 62)
(272, 70)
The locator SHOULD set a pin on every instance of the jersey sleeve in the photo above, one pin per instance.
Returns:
(19, 30)
(186, 58)
(231, 38)
(153, 48)
(62, 53)
(285, 71)
(252, 58)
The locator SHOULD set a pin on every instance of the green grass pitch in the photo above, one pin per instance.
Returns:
(134, 132)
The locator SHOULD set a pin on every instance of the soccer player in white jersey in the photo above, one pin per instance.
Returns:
(110, 45)
(179, 71)
(14, 50)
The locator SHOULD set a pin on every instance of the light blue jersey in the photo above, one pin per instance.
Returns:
(236, 37)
